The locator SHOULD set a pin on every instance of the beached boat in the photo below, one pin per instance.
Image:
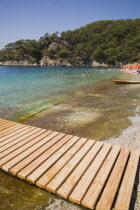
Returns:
(126, 81)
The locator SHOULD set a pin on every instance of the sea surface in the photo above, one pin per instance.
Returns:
(23, 90)
(60, 98)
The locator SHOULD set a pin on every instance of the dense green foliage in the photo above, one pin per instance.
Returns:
(111, 42)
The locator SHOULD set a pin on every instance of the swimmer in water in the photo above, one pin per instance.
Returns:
(84, 74)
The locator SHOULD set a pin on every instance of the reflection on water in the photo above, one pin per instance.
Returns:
(90, 106)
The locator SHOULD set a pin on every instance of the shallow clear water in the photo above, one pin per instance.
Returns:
(26, 89)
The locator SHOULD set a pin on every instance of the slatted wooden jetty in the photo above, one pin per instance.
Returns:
(94, 174)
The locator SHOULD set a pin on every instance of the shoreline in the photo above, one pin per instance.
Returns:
(89, 110)
(61, 65)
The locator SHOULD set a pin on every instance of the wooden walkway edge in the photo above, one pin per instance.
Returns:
(94, 174)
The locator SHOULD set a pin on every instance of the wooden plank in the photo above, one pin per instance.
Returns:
(50, 174)
(126, 188)
(6, 125)
(93, 193)
(59, 179)
(12, 152)
(24, 130)
(110, 191)
(9, 130)
(33, 165)
(6, 122)
(29, 132)
(86, 172)
(18, 158)
(37, 157)
(21, 128)
(49, 158)
(1, 119)
(75, 176)
(81, 188)
(25, 144)
(3, 122)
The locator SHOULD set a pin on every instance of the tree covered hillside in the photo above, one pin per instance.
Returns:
(110, 42)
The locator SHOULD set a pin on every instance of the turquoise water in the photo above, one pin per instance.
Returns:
(30, 89)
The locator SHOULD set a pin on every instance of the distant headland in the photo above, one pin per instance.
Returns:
(101, 43)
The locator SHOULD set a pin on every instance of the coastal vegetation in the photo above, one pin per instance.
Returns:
(108, 42)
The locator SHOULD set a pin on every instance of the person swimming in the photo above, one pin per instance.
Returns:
(83, 74)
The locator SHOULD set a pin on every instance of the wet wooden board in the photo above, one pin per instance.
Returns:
(94, 174)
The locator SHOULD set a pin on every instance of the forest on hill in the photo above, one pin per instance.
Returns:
(109, 42)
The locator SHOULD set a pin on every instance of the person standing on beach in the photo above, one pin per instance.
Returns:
(138, 71)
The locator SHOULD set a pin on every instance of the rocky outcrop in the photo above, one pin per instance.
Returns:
(58, 45)
(55, 46)
(18, 63)
(46, 61)
(96, 64)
